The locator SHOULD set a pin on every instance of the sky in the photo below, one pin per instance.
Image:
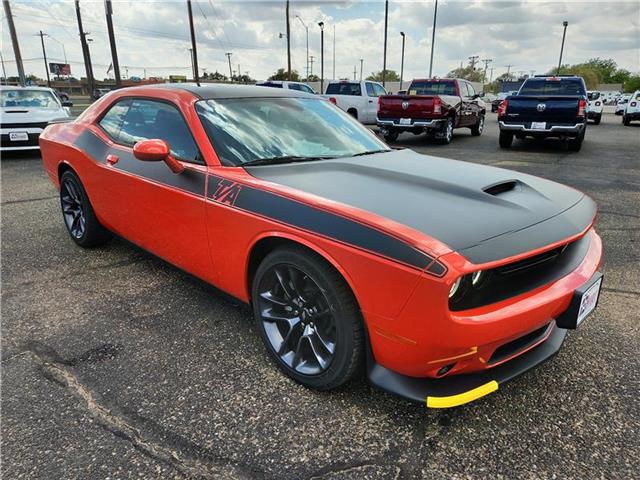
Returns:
(153, 36)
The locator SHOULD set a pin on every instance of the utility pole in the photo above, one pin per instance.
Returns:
(85, 50)
(509, 71)
(288, 45)
(334, 52)
(565, 24)
(190, 57)
(307, 30)
(473, 59)
(14, 41)
(384, 58)
(486, 65)
(228, 54)
(321, 25)
(239, 73)
(402, 61)
(108, 10)
(433, 38)
(354, 72)
(311, 60)
(196, 78)
(491, 77)
(4, 72)
(44, 55)
(361, 63)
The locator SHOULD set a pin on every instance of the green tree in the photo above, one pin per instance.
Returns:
(390, 76)
(632, 84)
(587, 72)
(282, 74)
(313, 78)
(468, 73)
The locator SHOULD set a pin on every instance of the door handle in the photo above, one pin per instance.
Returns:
(112, 159)
(370, 101)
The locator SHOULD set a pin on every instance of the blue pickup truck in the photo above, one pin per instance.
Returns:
(545, 107)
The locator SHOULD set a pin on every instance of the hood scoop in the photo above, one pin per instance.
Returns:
(500, 188)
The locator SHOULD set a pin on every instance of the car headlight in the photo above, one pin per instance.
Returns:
(455, 287)
(477, 277)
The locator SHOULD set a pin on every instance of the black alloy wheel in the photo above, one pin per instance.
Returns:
(297, 319)
(308, 318)
(72, 209)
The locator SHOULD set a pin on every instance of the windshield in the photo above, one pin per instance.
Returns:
(28, 98)
(248, 129)
(344, 88)
(432, 88)
(543, 86)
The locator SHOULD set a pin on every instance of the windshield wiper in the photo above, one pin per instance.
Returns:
(371, 152)
(283, 159)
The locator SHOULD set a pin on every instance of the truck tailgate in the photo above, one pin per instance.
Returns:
(405, 106)
(551, 109)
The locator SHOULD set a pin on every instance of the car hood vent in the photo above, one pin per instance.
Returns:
(500, 188)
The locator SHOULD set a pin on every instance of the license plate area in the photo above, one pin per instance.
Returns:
(538, 125)
(584, 301)
(18, 136)
(405, 121)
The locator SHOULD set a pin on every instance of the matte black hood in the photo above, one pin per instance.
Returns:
(486, 213)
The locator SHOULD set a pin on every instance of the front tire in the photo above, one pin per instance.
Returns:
(625, 121)
(505, 139)
(597, 120)
(79, 218)
(308, 318)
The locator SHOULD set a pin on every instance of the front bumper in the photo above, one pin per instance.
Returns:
(552, 129)
(632, 115)
(457, 390)
(6, 144)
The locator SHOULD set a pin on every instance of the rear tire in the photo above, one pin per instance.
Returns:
(447, 132)
(78, 215)
(625, 121)
(391, 136)
(575, 144)
(596, 121)
(505, 139)
(476, 130)
(308, 318)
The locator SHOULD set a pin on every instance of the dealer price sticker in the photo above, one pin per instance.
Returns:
(18, 136)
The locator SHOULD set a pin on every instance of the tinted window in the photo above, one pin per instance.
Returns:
(268, 84)
(112, 121)
(593, 95)
(145, 119)
(432, 88)
(344, 88)
(246, 129)
(370, 91)
(379, 90)
(306, 88)
(560, 86)
(294, 86)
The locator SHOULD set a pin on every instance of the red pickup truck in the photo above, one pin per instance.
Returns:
(435, 106)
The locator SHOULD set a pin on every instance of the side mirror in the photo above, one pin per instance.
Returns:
(67, 103)
(156, 150)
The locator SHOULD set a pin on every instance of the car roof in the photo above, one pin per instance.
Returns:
(208, 91)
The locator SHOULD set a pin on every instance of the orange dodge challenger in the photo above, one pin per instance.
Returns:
(441, 279)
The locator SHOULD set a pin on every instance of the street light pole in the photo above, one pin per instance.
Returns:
(14, 41)
(361, 62)
(384, 60)
(565, 24)
(44, 55)
(307, 30)
(402, 61)
(228, 54)
(108, 10)
(321, 25)
(288, 46)
(192, 31)
(433, 38)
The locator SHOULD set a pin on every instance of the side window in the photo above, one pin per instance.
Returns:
(147, 119)
(370, 91)
(472, 91)
(307, 89)
(379, 90)
(113, 119)
(294, 86)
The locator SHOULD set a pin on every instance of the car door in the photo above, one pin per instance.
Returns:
(370, 105)
(466, 108)
(146, 202)
(474, 104)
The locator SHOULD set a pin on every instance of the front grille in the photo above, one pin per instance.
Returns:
(24, 125)
(519, 344)
(513, 279)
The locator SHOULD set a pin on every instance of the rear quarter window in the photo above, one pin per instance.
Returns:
(552, 87)
(345, 88)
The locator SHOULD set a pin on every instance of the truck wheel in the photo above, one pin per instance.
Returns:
(391, 136)
(446, 134)
(575, 144)
(476, 130)
(506, 139)
(625, 121)
(353, 112)
(596, 121)
(308, 318)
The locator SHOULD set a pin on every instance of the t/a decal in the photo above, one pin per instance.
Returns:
(226, 192)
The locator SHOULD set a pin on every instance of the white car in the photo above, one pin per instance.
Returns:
(595, 106)
(303, 87)
(359, 99)
(621, 104)
(25, 112)
(632, 110)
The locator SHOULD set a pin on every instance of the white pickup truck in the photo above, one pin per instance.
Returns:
(359, 99)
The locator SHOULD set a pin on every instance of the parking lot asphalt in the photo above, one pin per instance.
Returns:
(117, 365)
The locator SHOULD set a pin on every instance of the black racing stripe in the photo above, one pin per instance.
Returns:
(189, 180)
(330, 225)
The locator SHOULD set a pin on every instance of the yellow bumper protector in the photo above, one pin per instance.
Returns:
(462, 398)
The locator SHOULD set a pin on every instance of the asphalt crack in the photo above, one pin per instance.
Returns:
(55, 369)
(26, 200)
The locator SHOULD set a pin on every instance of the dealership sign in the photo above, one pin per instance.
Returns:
(60, 68)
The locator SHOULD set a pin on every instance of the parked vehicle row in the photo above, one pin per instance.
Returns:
(595, 106)
(632, 110)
